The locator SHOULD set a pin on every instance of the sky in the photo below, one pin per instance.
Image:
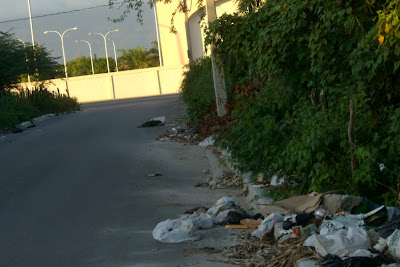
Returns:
(131, 33)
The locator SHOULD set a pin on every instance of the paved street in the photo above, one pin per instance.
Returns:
(74, 190)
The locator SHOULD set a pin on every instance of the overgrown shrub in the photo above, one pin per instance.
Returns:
(197, 87)
(16, 108)
(348, 49)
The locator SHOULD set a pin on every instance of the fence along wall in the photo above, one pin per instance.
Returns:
(119, 85)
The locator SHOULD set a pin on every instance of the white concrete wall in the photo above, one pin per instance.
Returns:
(119, 85)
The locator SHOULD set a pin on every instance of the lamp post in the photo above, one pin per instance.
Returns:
(90, 51)
(62, 44)
(115, 55)
(26, 59)
(105, 44)
(30, 20)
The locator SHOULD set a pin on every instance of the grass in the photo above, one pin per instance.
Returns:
(24, 106)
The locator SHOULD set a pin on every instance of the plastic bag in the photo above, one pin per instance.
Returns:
(202, 221)
(209, 141)
(343, 242)
(175, 231)
(267, 224)
(393, 242)
(222, 204)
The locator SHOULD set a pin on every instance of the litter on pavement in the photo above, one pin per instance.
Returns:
(156, 121)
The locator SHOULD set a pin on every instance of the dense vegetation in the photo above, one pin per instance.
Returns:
(16, 61)
(277, 54)
(197, 88)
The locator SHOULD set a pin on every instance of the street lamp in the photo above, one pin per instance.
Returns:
(115, 55)
(62, 44)
(105, 44)
(26, 59)
(90, 51)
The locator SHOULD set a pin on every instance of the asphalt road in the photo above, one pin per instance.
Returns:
(74, 190)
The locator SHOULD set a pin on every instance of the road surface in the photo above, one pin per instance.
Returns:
(74, 190)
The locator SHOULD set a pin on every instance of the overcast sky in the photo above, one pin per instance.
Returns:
(131, 33)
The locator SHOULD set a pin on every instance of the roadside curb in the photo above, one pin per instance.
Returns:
(254, 198)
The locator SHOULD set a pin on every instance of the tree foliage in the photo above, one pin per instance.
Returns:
(349, 49)
(139, 58)
(16, 61)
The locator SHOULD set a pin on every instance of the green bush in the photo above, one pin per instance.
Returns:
(349, 49)
(197, 87)
(16, 108)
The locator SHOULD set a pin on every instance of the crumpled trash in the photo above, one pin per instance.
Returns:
(156, 121)
(223, 203)
(175, 231)
(321, 213)
(297, 219)
(342, 242)
(393, 242)
(381, 245)
(267, 224)
(209, 141)
(182, 229)
(202, 221)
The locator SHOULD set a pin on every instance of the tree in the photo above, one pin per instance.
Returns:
(79, 66)
(243, 6)
(16, 61)
(139, 58)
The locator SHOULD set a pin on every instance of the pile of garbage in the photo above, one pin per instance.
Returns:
(341, 239)
(184, 229)
(181, 134)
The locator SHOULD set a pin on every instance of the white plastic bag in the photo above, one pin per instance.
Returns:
(209, 141)
(393, 242)
(267, 224)
(222, 204)
(343, 242)
(202, 221)
(175, 231)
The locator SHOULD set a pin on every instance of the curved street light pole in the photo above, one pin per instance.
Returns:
(62, 44)
(26, 59)
(115, 55)
(105, 45)
(90, 51)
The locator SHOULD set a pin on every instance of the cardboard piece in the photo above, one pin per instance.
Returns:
(296, 204)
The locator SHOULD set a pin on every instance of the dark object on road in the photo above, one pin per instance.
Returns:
(151, 124)
(156, 121)
(154, 174)
(201, 184)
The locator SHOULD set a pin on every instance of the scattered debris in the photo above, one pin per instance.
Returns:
(209, 141)
(2, 137)
(254, 252)
(154, 174)
(156, 121)
(229, 180)
(206, 171)
(198, 210)
(201, 184)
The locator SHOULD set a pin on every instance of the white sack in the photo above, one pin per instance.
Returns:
(175, 231)
(267, 224)
(343, 242)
